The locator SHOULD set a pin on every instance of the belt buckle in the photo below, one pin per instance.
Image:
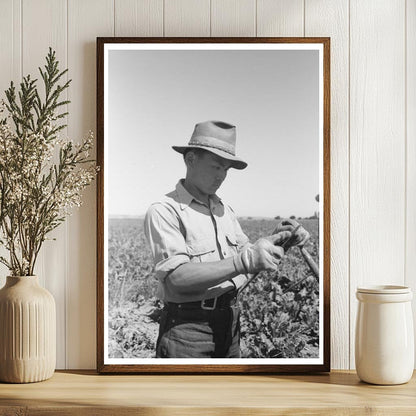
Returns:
(206, 307)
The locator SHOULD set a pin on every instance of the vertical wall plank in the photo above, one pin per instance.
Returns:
(187, 18)
(330, 18)
(86, 20)
(10, 44)
(44, 25)
(411, 152)
(138, 18)
(6, 45)
(280, 17)
(377, 152)
(233, 18)
(10, 66)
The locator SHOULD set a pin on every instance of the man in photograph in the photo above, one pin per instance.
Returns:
(201, 254)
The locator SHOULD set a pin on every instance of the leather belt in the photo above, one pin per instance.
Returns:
(223, 301)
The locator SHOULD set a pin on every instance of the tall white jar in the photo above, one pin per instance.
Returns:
(384, 338)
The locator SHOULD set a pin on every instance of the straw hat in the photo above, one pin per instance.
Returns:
(217, 137)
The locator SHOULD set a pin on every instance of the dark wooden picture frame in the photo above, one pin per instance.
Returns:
(166, 367)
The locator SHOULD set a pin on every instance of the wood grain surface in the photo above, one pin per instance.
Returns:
(377, 148)
(280, 18)
(138, 17)
(84, 392)
(187, 18)
(85, 19)
(331, 18)
(233, 18)
(36, 40)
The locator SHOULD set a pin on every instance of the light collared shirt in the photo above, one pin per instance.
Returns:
(181, 229)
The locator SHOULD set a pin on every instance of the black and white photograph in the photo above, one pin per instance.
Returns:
(213, 205)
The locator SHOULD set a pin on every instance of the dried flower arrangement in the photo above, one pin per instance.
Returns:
(42, 176)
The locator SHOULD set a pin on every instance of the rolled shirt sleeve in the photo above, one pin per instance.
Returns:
(163, 233)
(242, 243)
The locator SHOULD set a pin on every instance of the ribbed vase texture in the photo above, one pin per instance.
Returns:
(27, 331)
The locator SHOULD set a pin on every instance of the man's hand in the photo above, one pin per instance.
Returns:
(300, 237)
(262, 255)
(278, 237)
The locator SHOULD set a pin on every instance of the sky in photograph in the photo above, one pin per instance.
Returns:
(272, 97)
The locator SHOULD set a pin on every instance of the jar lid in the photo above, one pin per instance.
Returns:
(384, 289)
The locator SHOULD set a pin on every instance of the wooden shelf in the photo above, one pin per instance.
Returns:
(87, 393)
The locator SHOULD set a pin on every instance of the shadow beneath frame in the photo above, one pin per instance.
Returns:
(334, 378)
(345, 378)
(90, 372)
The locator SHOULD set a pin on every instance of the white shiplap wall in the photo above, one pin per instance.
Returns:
(373, 132)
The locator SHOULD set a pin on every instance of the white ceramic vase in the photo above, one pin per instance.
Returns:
(27, 331)
(384, 339)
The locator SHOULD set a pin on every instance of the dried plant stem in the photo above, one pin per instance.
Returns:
(36, 194)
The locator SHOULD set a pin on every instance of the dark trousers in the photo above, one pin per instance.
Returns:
(198, 333)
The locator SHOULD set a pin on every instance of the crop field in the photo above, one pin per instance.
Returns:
(279, 310)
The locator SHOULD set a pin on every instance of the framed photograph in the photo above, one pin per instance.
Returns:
(213, 205)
